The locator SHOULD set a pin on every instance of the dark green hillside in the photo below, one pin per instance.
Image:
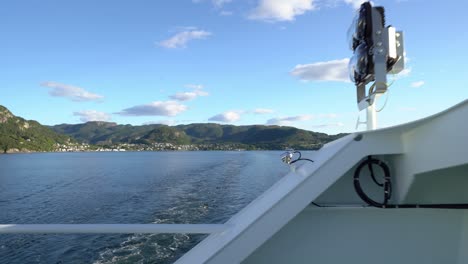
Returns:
(18, 134)
(202, 132)
(107, 133)
(258, 136)
(165, 134)
(250, 137)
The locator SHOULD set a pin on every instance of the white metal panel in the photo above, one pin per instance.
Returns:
(267, 214)
(208, 248)
(463, 249)
(277, 206)
(366, 236)
(438, 144)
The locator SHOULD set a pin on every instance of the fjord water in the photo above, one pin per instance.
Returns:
(124, 187)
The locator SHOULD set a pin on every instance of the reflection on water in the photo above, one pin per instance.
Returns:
(139, 187)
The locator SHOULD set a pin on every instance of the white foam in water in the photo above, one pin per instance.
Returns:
(187, 192)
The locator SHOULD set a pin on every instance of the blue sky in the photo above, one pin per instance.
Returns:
(225, 61)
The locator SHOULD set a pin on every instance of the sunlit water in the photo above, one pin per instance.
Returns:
(133, 187)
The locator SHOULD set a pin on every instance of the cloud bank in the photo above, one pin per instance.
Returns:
(334, 70)
(284, 10)
(282, 121)
(226, 117)
(181, 39)
(92, 115)
(157, 108)
(74, 93)
(187, 96)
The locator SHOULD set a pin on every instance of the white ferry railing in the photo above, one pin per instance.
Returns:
(112, 228)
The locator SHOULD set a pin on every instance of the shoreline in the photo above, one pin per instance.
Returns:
(48, 152)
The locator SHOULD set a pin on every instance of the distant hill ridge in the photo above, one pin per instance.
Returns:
(253, 136)
(20, 135)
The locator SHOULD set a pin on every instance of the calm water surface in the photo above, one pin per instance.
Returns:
(124, 187)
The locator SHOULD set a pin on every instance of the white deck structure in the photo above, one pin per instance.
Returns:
(428, 160)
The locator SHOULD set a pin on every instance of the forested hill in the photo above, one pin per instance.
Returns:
(250, 137)
(20, 135)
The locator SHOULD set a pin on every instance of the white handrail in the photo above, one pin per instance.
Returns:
(112, 228)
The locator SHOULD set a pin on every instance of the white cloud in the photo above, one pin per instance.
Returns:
(261, 111)
(281, 121)
(355, 3)
(157, 108)
(187, 96)
(335, 70)
(183, 96)
(280, 10)
(92, 115)
(71, 92)
(181, 39)
(417, 84)
(226, 117)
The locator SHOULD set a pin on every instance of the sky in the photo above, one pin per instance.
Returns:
(238, 62)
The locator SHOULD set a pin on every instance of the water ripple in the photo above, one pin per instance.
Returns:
(153, 187)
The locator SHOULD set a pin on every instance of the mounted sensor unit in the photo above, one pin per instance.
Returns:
(377, 50)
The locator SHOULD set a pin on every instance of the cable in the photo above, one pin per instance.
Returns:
(299, 158)
(298, 152)
(296, 160)
(369, 165)
(387, 185)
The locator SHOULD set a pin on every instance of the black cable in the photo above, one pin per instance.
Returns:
(296, 160)
(298, 152)
(387, 185)
(299, 158)
(369, 165)
(357, 185)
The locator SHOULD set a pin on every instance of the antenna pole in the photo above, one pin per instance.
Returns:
(372, 114)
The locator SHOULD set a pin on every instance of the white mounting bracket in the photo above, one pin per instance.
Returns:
(369, 104)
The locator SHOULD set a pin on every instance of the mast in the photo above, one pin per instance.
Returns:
(378, 50)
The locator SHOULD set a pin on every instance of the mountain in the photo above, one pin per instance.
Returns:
(107, 133)
(259, 136)
(250, 137)
(18, 134)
